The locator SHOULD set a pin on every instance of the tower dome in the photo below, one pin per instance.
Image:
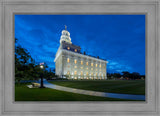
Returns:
(65, 36)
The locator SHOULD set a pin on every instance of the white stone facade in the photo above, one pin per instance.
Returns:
(72, 64)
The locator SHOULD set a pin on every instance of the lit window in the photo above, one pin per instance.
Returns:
(68, 73)
(81, 62)
(87, 73)
(87, 68)
(75, 61)
(91, 68)
(68, 48)
(75, 66)
(81, 72)
(96, 69)
(100, 65)
(68, 60)
(75, 72)
(96, 65)
(91, 64)
(81, 67)
(75, 50)
(86, 63)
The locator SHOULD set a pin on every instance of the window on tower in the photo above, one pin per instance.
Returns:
(75, 50)
(91, 64)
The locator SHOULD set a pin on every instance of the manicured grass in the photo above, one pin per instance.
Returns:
(112, 86)
(23, 93)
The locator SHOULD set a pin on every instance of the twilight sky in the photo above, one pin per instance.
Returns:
(120, 39)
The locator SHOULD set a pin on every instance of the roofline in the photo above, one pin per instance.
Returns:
(63, 50)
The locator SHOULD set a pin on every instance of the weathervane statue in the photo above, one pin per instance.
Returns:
(65, 27)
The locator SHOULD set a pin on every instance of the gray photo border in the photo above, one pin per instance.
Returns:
(10, 7)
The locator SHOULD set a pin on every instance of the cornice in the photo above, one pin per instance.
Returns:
(82, 55)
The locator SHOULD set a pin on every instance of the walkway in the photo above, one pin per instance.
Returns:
(94, 93)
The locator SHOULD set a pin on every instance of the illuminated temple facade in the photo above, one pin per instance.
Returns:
(72, 64)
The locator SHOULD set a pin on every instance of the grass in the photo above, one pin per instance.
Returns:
(23, 93)
(113, 86)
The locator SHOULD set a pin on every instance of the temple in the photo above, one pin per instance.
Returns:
(72, 64)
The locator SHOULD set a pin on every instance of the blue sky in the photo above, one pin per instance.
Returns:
(120, 39)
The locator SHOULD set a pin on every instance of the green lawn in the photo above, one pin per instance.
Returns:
(23, 93)
(112, 86)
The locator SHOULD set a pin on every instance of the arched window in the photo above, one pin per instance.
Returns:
(81, 62)
(75, 61)
(68, 60)
(87, 63)
(81, 73)
(75, 72)
(68, 73)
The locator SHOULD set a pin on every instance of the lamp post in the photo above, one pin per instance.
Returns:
(41, 75)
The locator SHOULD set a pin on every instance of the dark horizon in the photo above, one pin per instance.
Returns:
(120, 39)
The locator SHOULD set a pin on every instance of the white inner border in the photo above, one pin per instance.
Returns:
(9, 107)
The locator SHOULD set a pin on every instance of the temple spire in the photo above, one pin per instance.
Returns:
(65, 36)
(65, 27)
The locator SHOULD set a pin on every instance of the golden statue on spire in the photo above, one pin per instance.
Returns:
(65, 27)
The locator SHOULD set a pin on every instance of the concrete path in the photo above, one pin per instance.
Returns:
(94, 93)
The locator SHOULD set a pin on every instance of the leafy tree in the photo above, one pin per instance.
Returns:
(135, 75)
(116, 75)
(24, 64)
(126, 74)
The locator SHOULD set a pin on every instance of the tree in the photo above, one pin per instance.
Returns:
(135, 75)
(24, 64)
(126, 74)
(116, 75)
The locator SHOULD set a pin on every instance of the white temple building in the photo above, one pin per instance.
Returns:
(72, 64)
